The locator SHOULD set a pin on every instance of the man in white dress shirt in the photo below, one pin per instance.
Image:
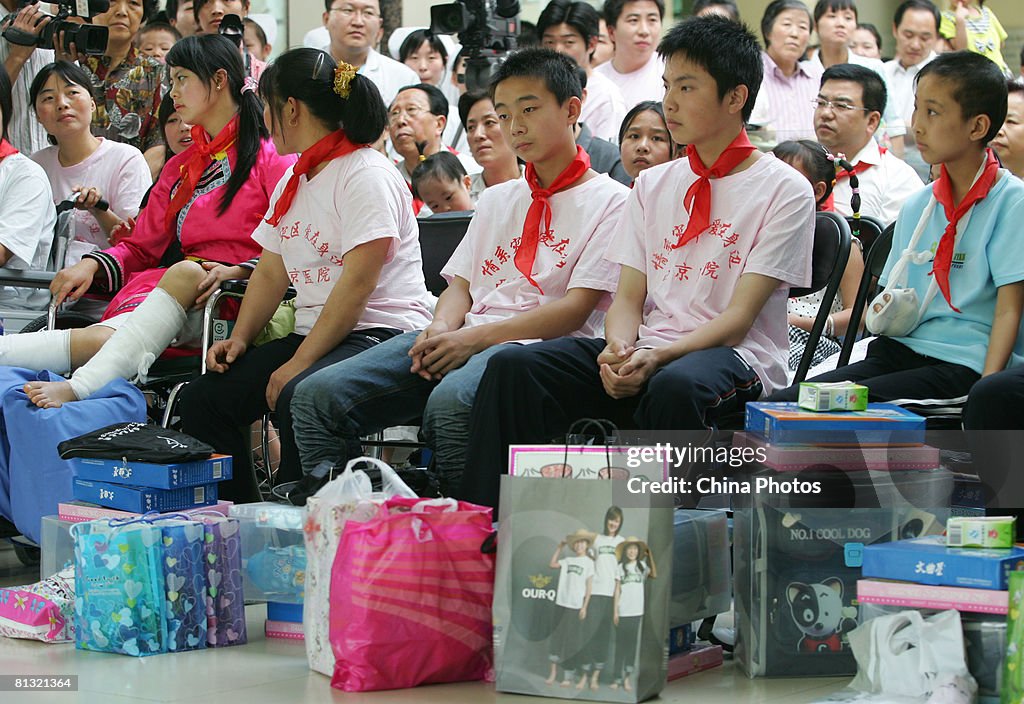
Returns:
(916, 29)
(850, 105)
(356, 27)
(572, 28)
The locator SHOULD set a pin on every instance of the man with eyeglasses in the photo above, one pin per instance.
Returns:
(847, 112)
(355, 28)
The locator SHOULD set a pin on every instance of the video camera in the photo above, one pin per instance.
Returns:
(487, 30)
(87, 38)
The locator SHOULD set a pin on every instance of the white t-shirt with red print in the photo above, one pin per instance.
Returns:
(762, 222)
(570, 253)
(357, 198)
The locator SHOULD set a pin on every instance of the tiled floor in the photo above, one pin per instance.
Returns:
(275, 671)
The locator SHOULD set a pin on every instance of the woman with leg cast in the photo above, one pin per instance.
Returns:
(207, 202)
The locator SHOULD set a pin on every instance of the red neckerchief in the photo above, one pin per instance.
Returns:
(6, 149)
(943, 192)
(200, 157)
(540, 209)
(335, 145)
(697, 200)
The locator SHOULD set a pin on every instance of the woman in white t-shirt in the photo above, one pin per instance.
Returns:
(636, 566)
(94, 167)
(575, 581)
(602, 595)
(340, 231)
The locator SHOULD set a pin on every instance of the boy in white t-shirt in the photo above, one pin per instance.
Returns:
(530, 267)
(634, 27)
(698, 325)
(567, 645)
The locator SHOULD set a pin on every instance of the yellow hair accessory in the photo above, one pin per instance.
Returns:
(423, 157)
(343, 75)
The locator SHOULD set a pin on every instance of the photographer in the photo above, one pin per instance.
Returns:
(22, 63)
(125, 84)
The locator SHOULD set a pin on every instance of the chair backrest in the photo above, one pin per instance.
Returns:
(440, 234)
(874, 262)
(828, 263)
(870, 229)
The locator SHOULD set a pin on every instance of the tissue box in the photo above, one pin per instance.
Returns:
(142, 499)
(981, 532)
(929, 561)
(835, 396)
(786, 423)
(158, 476)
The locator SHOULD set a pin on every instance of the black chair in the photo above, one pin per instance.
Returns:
(873, 264)
(866, 231)
(440, 234)
(832, 242)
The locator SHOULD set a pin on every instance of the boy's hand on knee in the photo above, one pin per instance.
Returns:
(632, 376)
(280, 378)
(451, 350)
(425, 342)
(223, 354)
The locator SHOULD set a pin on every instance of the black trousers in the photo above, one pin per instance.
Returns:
(994, 421)
(219, 408)
(892, 371)
(532, 393)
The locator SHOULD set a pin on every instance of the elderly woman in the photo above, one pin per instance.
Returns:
(790, 83)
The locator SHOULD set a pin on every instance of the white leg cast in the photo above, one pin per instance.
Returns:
(46, 349)
(135, 346)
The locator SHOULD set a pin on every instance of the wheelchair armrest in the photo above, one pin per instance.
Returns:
(238, 286)
(27, 278)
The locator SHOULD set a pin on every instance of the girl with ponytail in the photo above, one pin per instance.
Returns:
(203, 208)
(340, 230)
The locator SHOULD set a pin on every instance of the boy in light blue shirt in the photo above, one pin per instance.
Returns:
(955, 277)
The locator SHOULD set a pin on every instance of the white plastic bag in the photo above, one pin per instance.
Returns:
(347, 497)
(908, 655)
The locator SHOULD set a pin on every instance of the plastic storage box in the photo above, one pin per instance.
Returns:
(273, 551)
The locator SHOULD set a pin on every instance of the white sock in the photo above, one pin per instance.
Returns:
(131, 350)
(46, 349)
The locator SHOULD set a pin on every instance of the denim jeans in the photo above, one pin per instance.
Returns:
(333, 408)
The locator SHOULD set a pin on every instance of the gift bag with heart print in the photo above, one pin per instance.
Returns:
(119, 587)
(225, 602)
(182, 563)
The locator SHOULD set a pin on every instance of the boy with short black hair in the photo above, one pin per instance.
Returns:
(156, 39)
(708, 246)
(955, 245)
(529, 268)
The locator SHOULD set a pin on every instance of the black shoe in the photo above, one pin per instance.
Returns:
(301, 490)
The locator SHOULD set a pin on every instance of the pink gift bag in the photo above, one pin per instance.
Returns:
(411, 595)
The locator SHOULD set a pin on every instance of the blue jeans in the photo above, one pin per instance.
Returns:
(333, 408)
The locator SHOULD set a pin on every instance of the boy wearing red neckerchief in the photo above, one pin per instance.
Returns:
(530, 268)
(709, 246)
(956, 244)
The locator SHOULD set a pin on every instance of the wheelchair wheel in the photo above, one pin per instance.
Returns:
(65, 321)
(28, 555)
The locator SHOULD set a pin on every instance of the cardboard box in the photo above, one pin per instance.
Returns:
(981, 532)
(928, 560)
(702, 657)
(158, 476)
(924, 596)
(835, 396)
(79, 511)
(881, 424)
(284, 611)
(284, 630)
(143, 499)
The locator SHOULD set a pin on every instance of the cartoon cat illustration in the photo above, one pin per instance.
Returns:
(819, 614)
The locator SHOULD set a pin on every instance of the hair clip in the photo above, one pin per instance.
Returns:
(423, 157)
(250, 85)
(343, 75)
(318, 65)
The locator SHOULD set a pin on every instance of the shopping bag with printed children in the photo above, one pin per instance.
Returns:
(582, 590)
(347, 497)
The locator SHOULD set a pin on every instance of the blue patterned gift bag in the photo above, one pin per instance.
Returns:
(119, 587)
(184, 582)
(225, 603)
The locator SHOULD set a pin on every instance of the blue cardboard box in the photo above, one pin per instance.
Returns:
(140, 499)
(881, 424)
(157, 476)
(928, 561)
(282, 611)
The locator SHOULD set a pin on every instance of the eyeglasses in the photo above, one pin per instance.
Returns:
(412, 112)
(348, 12)
(836, 106)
